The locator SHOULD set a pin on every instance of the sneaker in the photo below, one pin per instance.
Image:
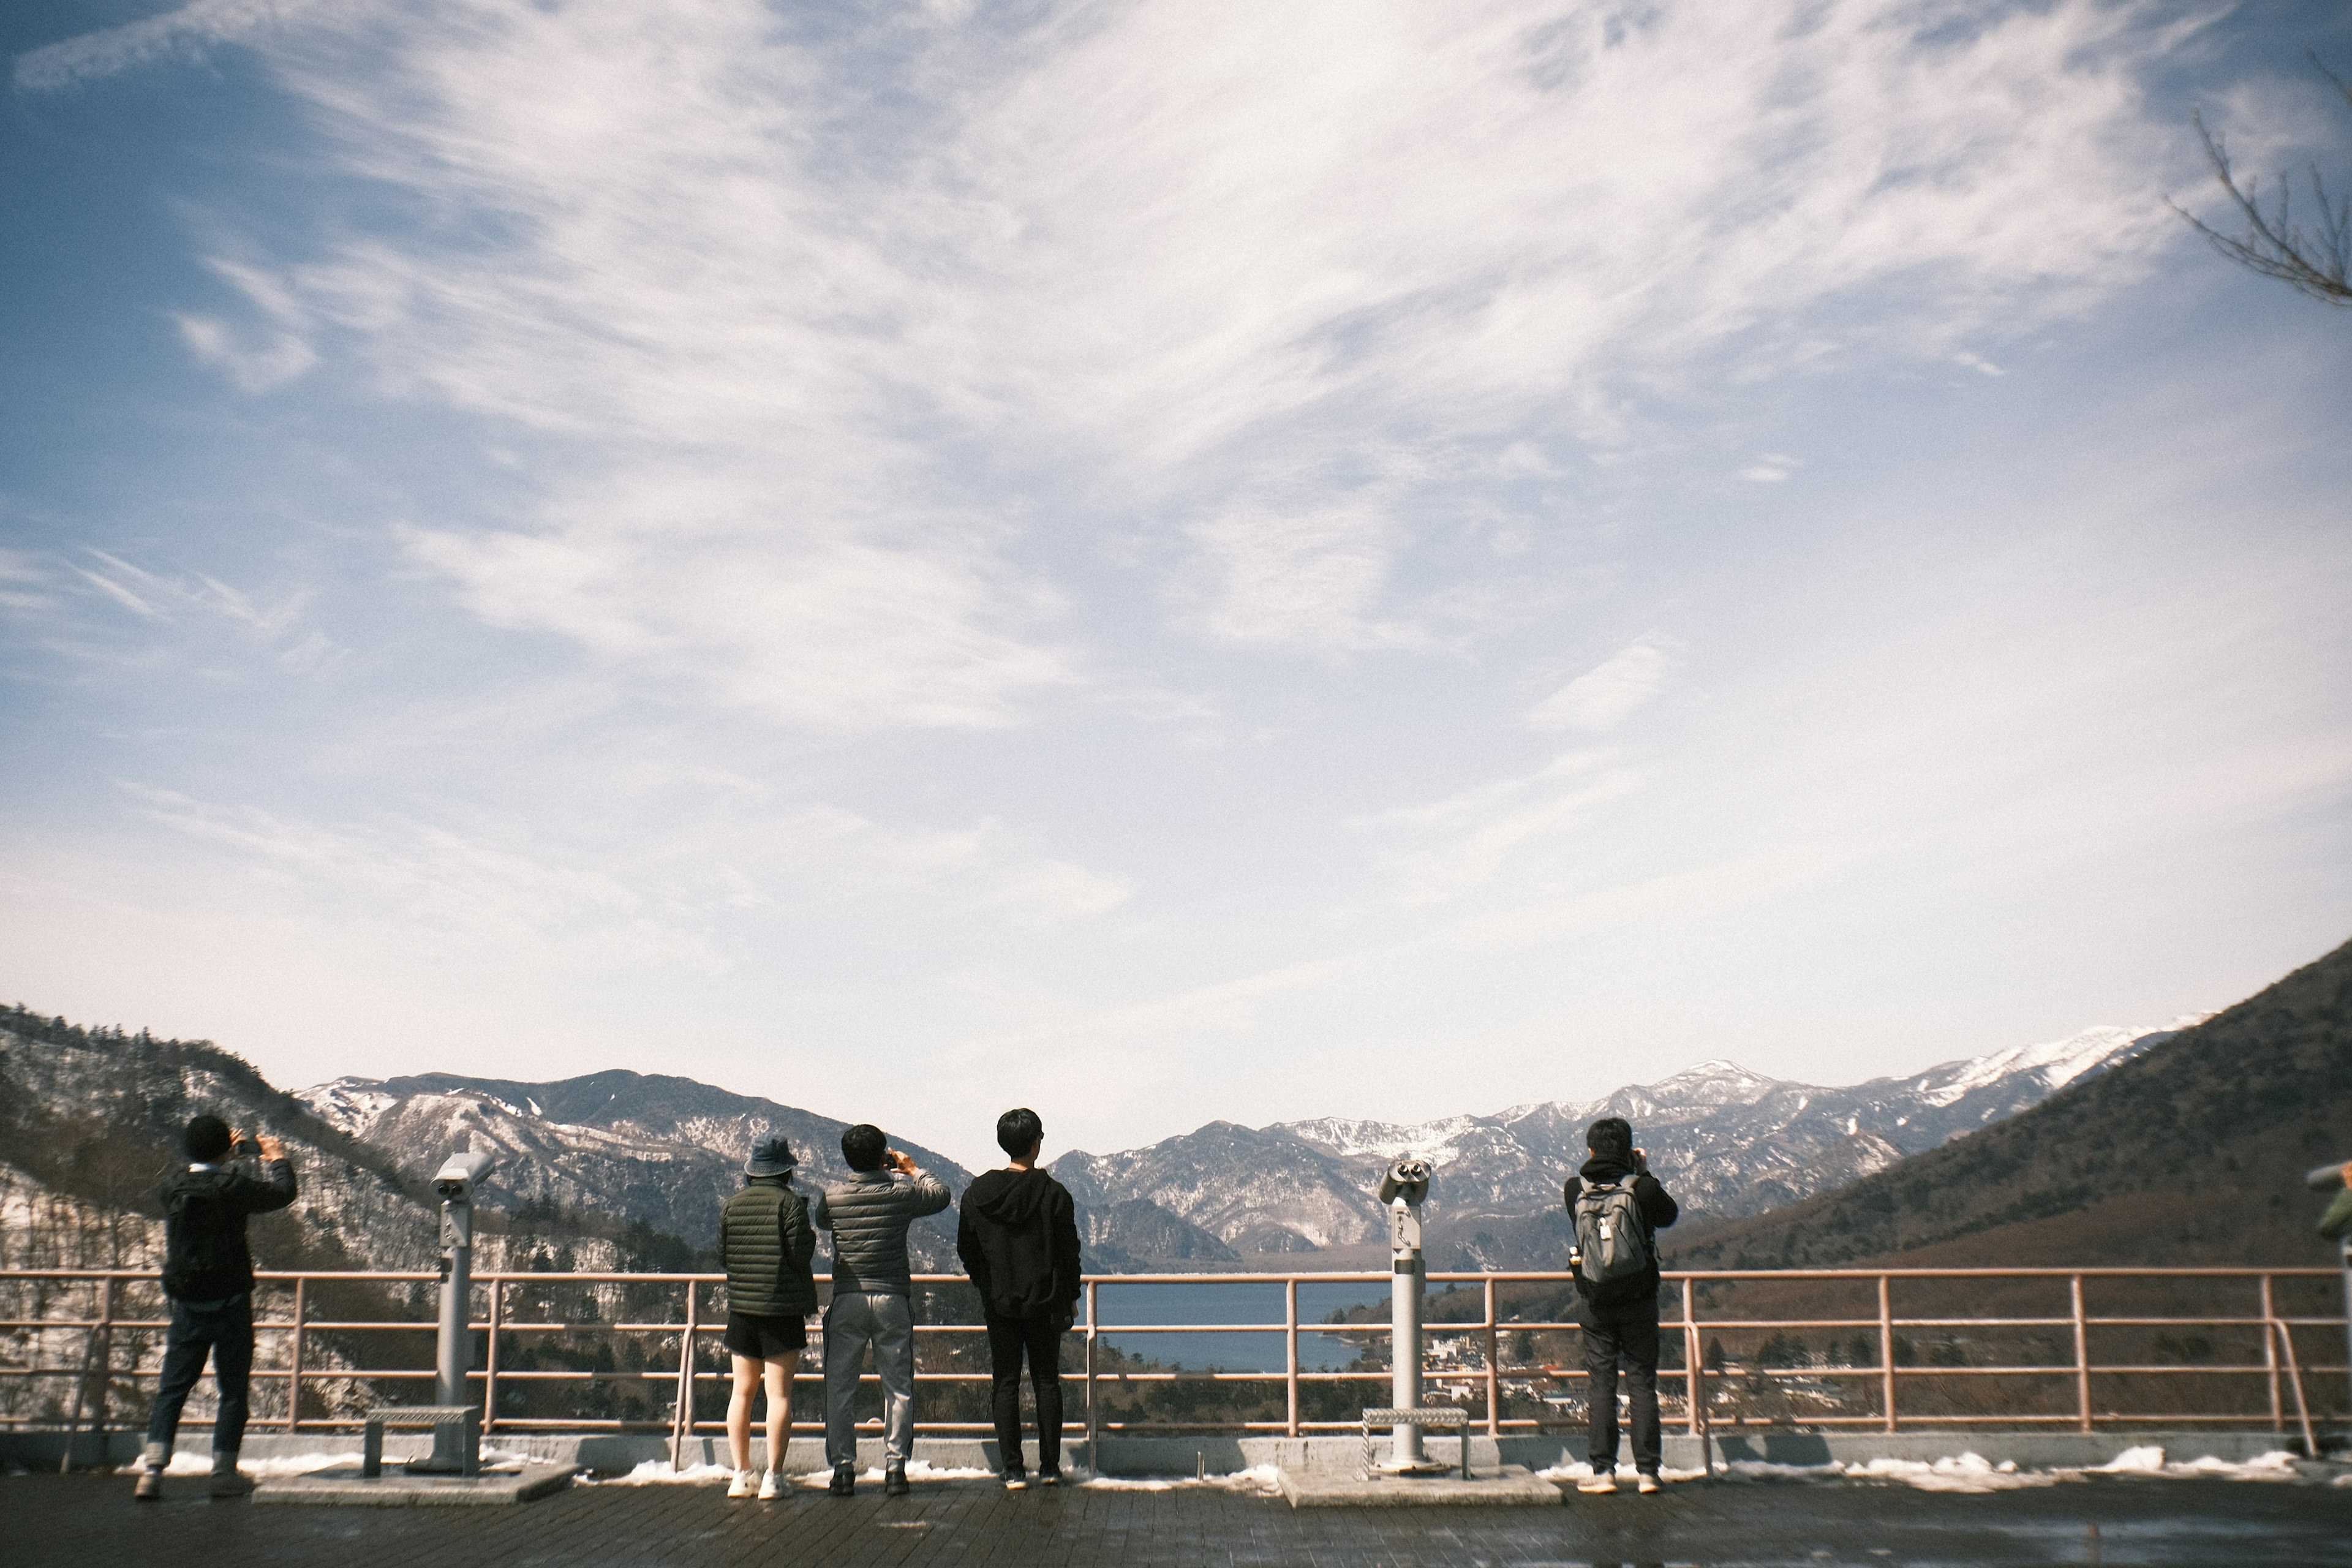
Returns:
(769, 1487)
(1016, 1481)
(150, 1485)
(229, 1483)
(844, 1479)
(894, 1481)
(1049, 1478)
(740, 1486)
(1645, 1483)
(1601, 1483)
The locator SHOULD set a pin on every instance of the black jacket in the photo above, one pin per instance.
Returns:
(765, 1242)
(1658, 1210)
(205, 1208)
(1018, 1238)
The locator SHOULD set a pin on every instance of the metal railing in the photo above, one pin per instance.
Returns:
(1715, 1390)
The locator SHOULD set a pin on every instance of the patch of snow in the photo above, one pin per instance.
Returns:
(2146, 1461)
(1258, 1480)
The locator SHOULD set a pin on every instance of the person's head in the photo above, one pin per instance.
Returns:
(1611, 1138)
(863, 1147)
(771, 1156)
(206, 1138)
(1019, 1132)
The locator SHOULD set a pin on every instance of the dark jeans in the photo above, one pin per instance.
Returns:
(1623, 1339)
(1039, 1338)
(223, 1329)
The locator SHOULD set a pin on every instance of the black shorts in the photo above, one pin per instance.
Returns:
(765, 1339)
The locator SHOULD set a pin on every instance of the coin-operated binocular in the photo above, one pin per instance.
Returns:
(1403, 1189)
(460, 1176)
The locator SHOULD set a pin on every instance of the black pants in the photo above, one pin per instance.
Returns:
(1040, 1339)
(1623, 1339)
(223, 1329)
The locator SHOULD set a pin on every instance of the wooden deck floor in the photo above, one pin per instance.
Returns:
(91, 1521)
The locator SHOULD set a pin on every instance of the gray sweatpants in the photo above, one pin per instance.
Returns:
(858, 1318)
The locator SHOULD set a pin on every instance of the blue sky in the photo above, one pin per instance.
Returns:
(1161, 561)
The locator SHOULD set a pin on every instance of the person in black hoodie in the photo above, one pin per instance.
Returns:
(1618, 1208)
(1018, 1238)
(208, 1279)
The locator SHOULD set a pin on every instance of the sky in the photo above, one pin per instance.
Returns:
(1162, 562)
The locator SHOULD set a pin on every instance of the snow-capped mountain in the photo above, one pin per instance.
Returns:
(1727, 1141)
(663, 1149)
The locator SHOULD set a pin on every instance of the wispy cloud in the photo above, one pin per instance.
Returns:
(258, 359)
(462, 888)
(184, 33)
(1447, 847)
(1606, 695)
(810, 297)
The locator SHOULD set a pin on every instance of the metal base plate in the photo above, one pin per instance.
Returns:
(344, 1487)
(1515, 1486)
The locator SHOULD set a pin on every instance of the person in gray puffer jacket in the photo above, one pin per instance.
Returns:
(869, 1216)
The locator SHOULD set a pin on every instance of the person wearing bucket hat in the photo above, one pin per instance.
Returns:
(765, 1242)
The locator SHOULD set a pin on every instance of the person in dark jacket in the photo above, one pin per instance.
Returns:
(208, 1281)
(1018, 1238)
(765, 1242)
(1617, 1304)
(869, 1216)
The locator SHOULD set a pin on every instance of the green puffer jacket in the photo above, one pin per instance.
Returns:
(766, 1243)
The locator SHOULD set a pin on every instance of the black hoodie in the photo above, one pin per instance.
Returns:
(1018, 1238)
(1658, 1210)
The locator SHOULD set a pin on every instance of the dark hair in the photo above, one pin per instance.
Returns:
(1612, 1137)
(862, 1146)
(206, 1138)
(1018, 1131)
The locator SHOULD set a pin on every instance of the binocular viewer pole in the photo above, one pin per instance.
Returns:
(1402, 1190)
(454, 1346)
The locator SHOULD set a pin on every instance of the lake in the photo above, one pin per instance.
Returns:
(1226, 1302)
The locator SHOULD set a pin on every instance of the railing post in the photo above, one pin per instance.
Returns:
(1494, 1366)
(490, 1360)
(294, 1360)
(1093, 1420)
(105, 1363)
(1290, 1356)
(681, 1426)
(2270, 1359)
(1691, 1394)
(1886, 1352)
(2082, 1359)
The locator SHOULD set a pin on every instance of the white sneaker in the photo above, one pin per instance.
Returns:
(1645, 1484)
(741, 1485)
(769, 1487)
(1600, 1484)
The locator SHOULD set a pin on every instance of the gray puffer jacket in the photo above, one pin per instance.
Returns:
(869, 1216)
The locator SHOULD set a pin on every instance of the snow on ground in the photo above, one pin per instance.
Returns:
(1263, 1480)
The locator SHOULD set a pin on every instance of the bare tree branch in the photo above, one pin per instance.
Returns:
(2275, 243)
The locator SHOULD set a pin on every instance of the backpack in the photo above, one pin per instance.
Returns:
(203, 1236)
(1612, 1240)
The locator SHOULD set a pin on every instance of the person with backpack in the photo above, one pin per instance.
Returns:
(765, 1242)
(869, 1216)
(1619, 1207)
(208, 1282)
(1018, 1238)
